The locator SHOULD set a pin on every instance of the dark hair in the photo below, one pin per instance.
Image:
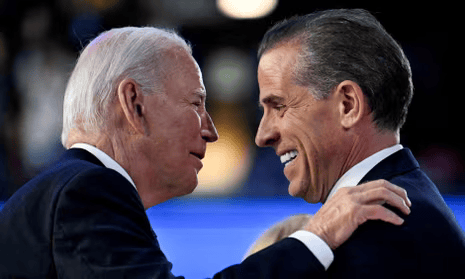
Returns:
(338, 45)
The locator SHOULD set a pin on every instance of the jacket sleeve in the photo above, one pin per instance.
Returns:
(289, 258)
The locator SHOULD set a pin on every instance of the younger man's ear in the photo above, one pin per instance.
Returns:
(131, 100)
(352, 103)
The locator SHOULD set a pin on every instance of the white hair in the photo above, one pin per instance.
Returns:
(130, 52)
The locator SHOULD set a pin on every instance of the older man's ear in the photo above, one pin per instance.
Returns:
(352, 103)
(131, 100)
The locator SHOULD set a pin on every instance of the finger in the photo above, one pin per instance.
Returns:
(379, 212)
(399, 191)
(381, 183)
(383, 195)
(398, 202)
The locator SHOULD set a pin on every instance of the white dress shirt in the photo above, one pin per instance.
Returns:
(351, 178)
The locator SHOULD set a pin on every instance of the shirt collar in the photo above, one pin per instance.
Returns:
(353, 176)
(106, 160)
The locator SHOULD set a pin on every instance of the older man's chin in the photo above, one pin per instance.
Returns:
(186, 187)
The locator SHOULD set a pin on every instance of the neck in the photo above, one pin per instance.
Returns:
(128, 151)
(100, 139)
(125, 149)
(365, 145)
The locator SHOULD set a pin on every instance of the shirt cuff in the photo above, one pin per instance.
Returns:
(316, 245)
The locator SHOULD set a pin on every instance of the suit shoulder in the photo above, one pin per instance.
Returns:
(81, 174)
(430, 242)
(100, 187)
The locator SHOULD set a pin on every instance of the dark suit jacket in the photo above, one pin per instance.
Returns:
(79, 219)
(430, 243)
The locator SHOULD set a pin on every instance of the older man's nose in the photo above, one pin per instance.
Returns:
(208, 130)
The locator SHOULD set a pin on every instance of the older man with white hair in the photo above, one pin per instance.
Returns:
(136, 129)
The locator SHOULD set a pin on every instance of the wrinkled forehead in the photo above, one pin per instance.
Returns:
(182, 71)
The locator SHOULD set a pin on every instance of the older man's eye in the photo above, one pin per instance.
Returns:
(279, 107)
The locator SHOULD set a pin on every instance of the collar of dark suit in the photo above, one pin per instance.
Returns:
(398, 163)
(81, 154)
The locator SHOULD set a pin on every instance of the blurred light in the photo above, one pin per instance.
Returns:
(243, 9)
(228, 161)
(229, 75)
(40, 77)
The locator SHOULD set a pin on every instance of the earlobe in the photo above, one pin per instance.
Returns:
(131, 101)
(352, 103)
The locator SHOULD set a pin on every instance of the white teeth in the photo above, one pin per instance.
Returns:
(288, 157)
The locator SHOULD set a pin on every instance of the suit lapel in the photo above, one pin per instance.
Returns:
(400, 162)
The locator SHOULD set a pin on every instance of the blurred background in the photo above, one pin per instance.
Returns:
(41, 39)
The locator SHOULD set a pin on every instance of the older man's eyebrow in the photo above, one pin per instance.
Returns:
(200, 92)
(272, 99)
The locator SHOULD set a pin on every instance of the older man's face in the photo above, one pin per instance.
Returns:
(302, 130)
(179, 126)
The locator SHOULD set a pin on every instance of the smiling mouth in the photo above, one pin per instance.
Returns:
(288, 157)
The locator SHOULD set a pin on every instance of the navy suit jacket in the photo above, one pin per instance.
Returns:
(430, 243)
(79, 219)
